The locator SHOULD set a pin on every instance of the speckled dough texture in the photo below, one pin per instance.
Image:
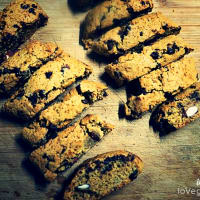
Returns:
(17, 69)
(134, 35)
(111, 13)
(160, 85)
(172, 115)
(103, 174)
(62, 112)
(134, 65)
(45, 85)
(18, 22)
(62, 152)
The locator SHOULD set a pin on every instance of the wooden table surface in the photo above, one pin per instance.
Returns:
(171, 163)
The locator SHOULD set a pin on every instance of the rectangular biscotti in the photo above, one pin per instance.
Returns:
(45, 85)
(159, 85)
(136, 64)
(177, 113)
(110, 14)
(134, 35)
(62, 152)
(99, 176)
(58, 115)
(18, 22)
(16, 70)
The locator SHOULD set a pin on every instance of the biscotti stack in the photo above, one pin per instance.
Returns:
(149, 57)
(39, 80)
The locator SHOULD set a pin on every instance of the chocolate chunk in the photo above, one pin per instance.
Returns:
(25, 6)
(16, 26)
(143, 3)
(133, 175)
(195, 95)
(85, 101)
(2, 25)
(141, 33)
(107, 169)
(48, 75)
(170, 51)
(124, 31)
(155, 55)
(34, 6)
(32, 10)
(105, 94)
(94, 136)
(33, 98)
(42, 94)
(110, 44)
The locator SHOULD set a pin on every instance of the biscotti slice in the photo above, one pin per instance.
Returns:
(45, 85)
(63, 151)
(16, 70)
(103, 174)
(58, 115)
(159, 85)
(134, 35)
(136, 64)
(175, 114)
(110, 14)
(18, 22)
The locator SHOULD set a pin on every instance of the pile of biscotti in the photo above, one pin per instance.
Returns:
(38, 79)
(148, 57)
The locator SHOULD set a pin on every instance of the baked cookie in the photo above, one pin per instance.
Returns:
(18, 22)
(158, 86)
(62, 152)
(112, 13)
(16, 70)
(45, 85)
(136, 64)
(61, 113)
(103, 174)
(134, 35)
(175, 114)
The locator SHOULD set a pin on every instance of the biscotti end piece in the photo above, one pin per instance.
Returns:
(175, 114)
(18, 22)
(60, 153)
(46, 84)
(134, 65)
(99, 176)
(17, 69)
(133, 36)
(110, 14)
(160, 85)
(58, 115)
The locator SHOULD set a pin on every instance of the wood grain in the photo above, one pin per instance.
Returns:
(170, 163)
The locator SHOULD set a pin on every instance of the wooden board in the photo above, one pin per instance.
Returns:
(170, 163)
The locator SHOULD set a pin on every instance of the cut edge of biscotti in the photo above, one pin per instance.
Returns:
(71, 142)
(107, 46)
(29, 100)
(40, 130)
(99, 176)
(182, 110)
(134, 65)
(97, 22)
(17, 69)
(144, 99)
